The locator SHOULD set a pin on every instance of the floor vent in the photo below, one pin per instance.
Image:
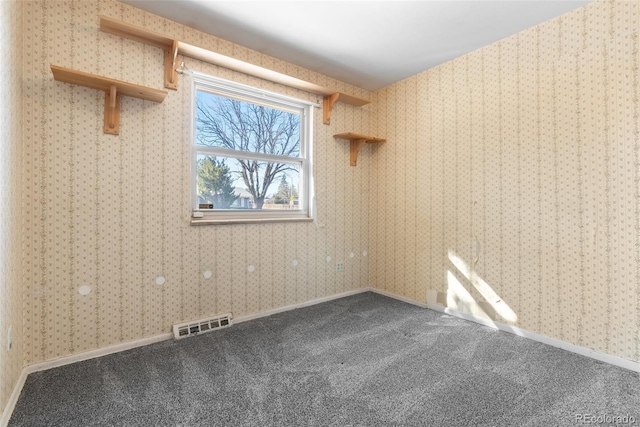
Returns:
(201, 326)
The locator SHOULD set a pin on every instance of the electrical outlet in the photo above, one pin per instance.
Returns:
(339, 267)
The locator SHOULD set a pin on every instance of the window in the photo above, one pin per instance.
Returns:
(251, 154)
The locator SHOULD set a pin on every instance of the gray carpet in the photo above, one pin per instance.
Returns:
(364, 360)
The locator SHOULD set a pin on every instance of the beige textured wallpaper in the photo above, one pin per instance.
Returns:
(10, 198)
(112, 212)
(510, 182)
(509, 185)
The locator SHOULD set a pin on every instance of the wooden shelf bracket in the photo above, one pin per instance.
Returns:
(112, 89)
(327, 105)
(112, 111)
(330, 100)
(170, 64)
(357, 140)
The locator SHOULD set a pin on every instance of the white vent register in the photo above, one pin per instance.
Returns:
(195, 327)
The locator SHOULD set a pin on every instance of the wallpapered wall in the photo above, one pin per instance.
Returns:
(10, 198)
(516, 169)
(520, 160)
(112, 212)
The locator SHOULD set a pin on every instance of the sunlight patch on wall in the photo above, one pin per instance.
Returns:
(487, 292)
(458, 298)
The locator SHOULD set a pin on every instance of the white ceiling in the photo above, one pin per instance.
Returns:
(369, 44)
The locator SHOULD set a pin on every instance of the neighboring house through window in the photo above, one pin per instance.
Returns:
(251, 153)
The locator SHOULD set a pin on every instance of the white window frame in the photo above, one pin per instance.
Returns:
(223, 87)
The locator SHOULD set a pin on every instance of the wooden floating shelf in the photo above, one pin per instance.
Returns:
(112, 88)
(357, 140)
(172, 48)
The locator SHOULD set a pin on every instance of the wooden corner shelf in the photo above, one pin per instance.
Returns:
(112, 88)
(357, 140)
(172, 48)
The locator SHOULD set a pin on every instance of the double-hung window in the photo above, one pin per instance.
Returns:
(250, 154)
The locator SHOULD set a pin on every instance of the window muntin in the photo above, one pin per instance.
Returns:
(250, 153)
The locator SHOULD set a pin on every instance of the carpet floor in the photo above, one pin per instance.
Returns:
(363, 360)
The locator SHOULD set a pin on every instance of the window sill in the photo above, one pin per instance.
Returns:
(210, 221)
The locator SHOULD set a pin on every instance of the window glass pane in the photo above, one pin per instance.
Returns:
(235, 124)
(225, 183)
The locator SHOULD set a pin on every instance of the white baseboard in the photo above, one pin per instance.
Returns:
(593, 354)
(398, 297)
(299, 305)
(13, 399)
(49, 364)
(554, 342)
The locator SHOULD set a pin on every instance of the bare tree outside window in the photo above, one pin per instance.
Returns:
(252, 128)
(251, 154)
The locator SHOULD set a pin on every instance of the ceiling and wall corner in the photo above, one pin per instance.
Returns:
(368, 44)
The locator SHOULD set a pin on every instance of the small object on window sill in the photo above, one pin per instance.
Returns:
(197, 215)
